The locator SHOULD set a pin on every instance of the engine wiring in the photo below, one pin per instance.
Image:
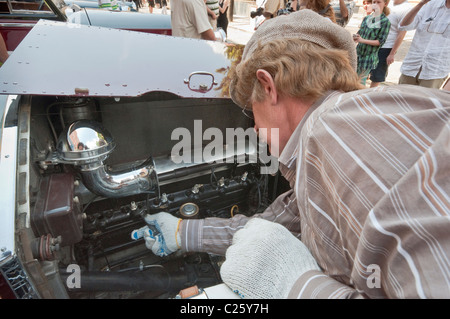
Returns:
(235, 207)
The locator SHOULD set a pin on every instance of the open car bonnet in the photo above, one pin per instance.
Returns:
(101, 127)
(67, 59)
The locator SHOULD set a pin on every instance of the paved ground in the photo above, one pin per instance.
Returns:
(241, 29)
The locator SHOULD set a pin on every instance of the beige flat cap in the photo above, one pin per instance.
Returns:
(307, 25)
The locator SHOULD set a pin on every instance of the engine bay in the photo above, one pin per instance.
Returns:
(97, 166)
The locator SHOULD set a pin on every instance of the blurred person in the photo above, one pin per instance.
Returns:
(108, 4)
(370, 37)
(222, 20)
(344, 14)
(212, 7)
(367, 215)
(257, 15)
(386, 54)
(190, 20)
(367, 7)
(427, 62)
(151, 5)
(267, 9)
(271, 8)
(164, 6)
(138, 4)
(322, 7)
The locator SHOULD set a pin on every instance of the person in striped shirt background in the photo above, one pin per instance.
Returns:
(367, 215)
(212, 7)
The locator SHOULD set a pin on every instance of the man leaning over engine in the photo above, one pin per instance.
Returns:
(367, 215)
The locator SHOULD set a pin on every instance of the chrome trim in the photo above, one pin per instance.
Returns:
(15, 25)
(8, 162)
(12, 270)
(201, 87)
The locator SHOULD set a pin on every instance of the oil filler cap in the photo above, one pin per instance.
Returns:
(189, 210)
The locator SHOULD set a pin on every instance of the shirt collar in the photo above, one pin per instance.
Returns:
(288, 156)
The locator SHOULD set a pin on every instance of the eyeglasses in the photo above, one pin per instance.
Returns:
(247, 112)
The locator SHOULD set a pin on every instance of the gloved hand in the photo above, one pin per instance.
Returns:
(161, 235)
(265, 260)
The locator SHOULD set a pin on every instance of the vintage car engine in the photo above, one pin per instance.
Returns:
(99, 165)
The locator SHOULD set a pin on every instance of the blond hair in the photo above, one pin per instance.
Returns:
(299, 68)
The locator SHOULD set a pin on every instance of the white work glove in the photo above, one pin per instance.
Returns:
(161, 235)
(265, 260)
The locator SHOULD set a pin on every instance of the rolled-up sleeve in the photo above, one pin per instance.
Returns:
(417, 20)
(215, 235)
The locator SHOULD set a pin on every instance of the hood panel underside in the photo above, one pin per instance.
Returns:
(74, 60)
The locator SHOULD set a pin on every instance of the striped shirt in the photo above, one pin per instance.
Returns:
(214, 6)
(370, 198)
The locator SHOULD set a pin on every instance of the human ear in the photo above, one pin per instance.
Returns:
(268, 84)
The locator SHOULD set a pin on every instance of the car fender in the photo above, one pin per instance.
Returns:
(133, 21)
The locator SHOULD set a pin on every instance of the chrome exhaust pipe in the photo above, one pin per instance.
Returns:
(101, 181)
(86, 145)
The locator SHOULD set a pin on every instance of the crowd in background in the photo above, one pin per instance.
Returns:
(381, 32)
(380, 35)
